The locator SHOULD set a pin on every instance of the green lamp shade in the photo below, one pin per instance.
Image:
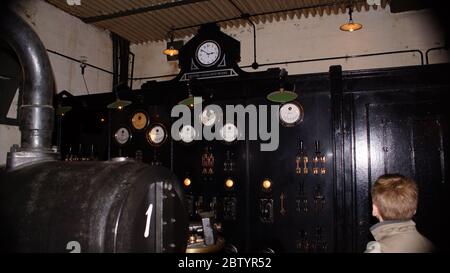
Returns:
(61, 110)
(119, 104)
(282, 96)
(190, 101)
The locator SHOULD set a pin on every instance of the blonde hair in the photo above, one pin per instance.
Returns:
(396, 197)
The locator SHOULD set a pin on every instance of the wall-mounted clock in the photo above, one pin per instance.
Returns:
(156, 135)
(291, 114)
(122, 136)
(139, 120)
(208, 53)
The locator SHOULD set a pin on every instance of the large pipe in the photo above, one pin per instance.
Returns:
(36, 112)
(51, 206)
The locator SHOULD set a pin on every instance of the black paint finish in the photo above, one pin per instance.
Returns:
(102, 206)
(368, 122)
(393, 120)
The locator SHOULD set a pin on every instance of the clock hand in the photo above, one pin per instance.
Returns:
(208, 53)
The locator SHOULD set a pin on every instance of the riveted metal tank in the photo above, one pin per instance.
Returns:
(47, 205)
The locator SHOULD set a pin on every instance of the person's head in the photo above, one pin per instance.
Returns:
(394, 197)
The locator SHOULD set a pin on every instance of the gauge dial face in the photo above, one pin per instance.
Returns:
(208, 117)
(139, 120)
(291, 113)
(122, 136)
(187, 134)
(156, 135)
(229, 132)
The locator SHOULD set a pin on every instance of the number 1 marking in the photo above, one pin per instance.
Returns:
(149, 217)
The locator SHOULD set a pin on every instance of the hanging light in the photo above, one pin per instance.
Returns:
(171, 50)
(118, 103)
(190, 100)
(62, 110)
(281, 95)
(351, 26)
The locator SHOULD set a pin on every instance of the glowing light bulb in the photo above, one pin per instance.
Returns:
(229, 183)
(187, 182)
(267, 184)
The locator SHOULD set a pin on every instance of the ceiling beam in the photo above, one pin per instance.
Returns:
(167, 5)
(332, 3)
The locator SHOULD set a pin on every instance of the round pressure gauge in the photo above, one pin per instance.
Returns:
(156, 135)
(187, 134)
(122, 136)
(139, 120)
(208, 117)
(291, 114)
(229, 132)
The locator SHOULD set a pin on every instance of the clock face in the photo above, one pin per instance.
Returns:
(208, 53)
(122, 136)
(229, 132)
(156, 135)
(291, 114)
(139, 120)
(187, 134)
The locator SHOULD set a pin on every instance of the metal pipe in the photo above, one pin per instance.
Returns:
(78, 61)
(124, 60)
(310, 60)
(133, 56)
(255, 64)
(246, 16)
(344, 57)
(432, 49)
(36, 112)
(115, 46)
(136, 11)
(155, 77)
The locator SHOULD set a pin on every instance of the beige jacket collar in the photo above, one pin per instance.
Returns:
(389, 228)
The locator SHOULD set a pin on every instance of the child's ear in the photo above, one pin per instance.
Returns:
(376, 213)
(374, 210)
